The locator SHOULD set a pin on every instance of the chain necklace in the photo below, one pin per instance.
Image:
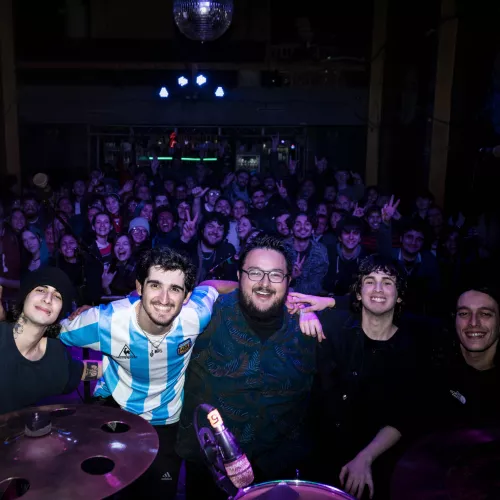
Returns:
(155, 346)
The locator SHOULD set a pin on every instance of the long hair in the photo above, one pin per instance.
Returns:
(44, 250)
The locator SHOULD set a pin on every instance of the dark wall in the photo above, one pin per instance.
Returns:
(408, 96)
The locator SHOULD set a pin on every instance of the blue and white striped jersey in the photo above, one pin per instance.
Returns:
(152, 387)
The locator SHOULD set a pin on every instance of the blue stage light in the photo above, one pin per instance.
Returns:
(163, 93)
(201, 80)
(219, 92)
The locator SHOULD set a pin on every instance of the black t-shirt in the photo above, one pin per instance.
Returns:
(24, 382)
(464, 396)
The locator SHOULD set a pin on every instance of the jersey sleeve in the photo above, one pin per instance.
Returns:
(202, 301)
(83, 331)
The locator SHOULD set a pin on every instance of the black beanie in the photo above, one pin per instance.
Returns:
(49, 276)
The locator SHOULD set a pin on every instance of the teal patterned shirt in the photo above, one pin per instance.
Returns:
(260, 389)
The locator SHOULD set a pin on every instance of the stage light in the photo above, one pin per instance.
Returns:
(219, 92)
(163, 93)
(145, 158)
(201, 80)
(183, 81)
(292, 146)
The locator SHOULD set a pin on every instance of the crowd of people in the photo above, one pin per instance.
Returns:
(323, 309)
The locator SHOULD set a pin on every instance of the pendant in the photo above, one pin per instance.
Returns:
(157, 351)
(151, 354)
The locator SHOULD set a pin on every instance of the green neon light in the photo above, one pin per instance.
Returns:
(183, 159)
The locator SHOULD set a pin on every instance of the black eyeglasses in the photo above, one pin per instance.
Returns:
(258, 275)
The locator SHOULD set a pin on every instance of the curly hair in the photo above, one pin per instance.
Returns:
(167, 260)
(217, 217)
(381, 264)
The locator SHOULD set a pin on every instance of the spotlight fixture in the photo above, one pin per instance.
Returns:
(163, 93)
(201, 80)
(219, 92)
(182, 81)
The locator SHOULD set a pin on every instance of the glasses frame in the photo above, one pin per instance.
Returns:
(268, 273)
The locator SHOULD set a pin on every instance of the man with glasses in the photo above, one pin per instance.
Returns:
(253, 364)
(211, 198)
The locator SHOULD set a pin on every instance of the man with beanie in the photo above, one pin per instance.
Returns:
(33, 365)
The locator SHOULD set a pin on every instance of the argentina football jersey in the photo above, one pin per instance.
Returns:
(143, 377)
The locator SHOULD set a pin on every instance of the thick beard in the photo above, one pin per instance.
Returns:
(254, 312)
(210, 245)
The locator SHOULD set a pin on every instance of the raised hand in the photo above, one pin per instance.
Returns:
(228, 179)
(297, 266)
(275, 139)
(292, 166)
(389, 209)
(281, 189)
(127, 187)
(189, 228)
(358, 211)
(198, 192)
(320, 164)
(107, 278)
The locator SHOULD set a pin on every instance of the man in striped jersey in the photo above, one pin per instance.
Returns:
(146, 343)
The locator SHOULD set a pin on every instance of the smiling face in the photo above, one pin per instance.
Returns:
(374, 219)
(239, 209)
(68, 246)
(163, 295)
(379, 294)
(412, 242)
(262, 298)
(350, 238)
(223, 207)
(17, 220)
(122, 249)
(112, 205)
(213, 232)
(302, 228)
(259, 200)
(282, 226)
(477, 321)
(102, 225)
(43, 305)
(243, 228)
(147, 212)
(161, 200)
(165, 222)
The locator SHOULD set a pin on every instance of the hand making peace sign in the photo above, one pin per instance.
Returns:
(189, 228)
(297, 267)
(389, 210)
(281, 189)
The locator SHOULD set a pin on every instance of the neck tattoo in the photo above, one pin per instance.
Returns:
(19, 327)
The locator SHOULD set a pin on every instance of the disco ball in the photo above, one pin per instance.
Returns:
(203, 21)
